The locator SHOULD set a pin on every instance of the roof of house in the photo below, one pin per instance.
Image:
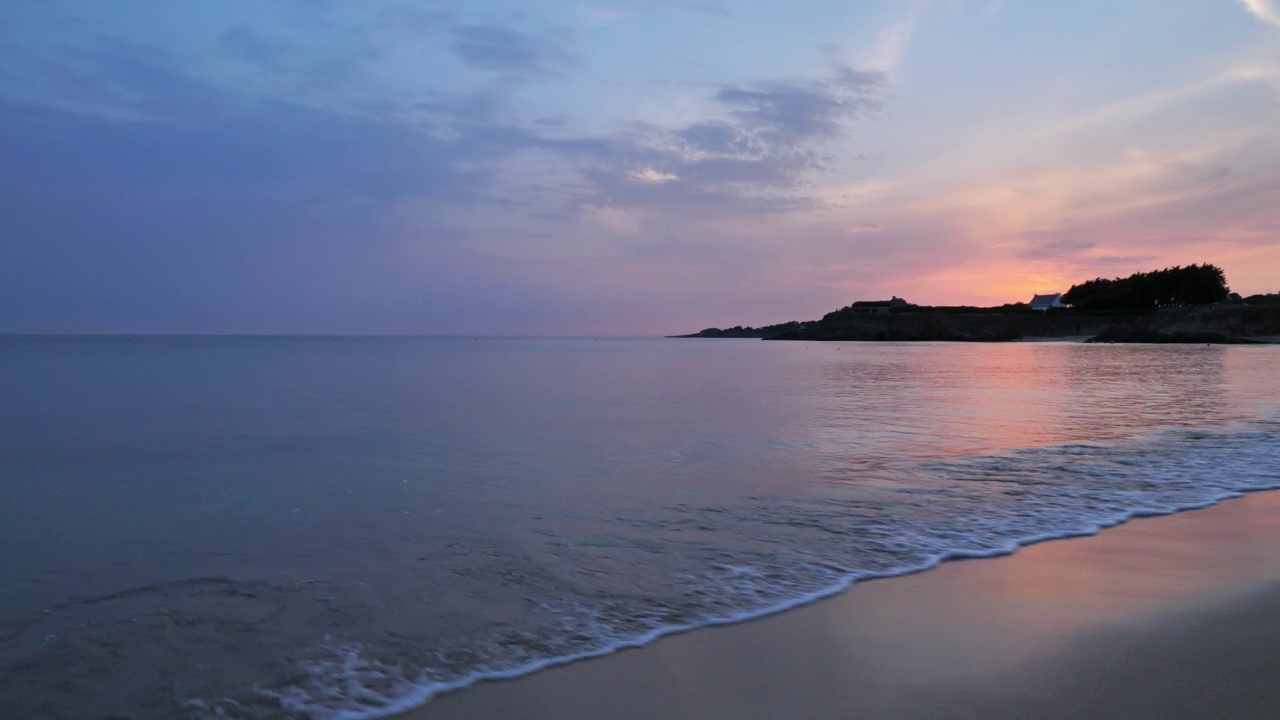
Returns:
(1046, 299)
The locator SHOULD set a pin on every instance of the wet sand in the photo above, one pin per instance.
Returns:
(1170, 617)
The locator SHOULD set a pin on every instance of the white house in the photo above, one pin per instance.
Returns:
(1044, 302)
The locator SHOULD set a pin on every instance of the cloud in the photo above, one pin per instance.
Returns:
(1264, 10)
(709, 8)
(755, 160)
(650, 175)
(1145, 105)
(796, 111)
(1060, 243)
(889, 46)
(751, 161)
(751, 152)
(110, 77)
(503, 49)
(230, 223)
(141, 197)
(594, 15)
(257, 187)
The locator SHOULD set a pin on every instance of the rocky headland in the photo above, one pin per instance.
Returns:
(1180, 304)
(1219, 323)
(1227, 322)
(949, 326)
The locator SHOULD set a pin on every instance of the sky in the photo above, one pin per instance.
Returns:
(574, 167)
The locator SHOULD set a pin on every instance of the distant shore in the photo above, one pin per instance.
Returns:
(1171, 617)
(1220, 323)
(1060, 338)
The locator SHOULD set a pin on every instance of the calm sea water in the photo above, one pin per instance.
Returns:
(290, 528)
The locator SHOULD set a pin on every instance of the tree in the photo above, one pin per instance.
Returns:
(1143, 292)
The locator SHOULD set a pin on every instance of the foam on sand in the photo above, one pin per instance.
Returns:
(993, 505)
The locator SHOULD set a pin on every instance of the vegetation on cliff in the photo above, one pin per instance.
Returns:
(738, 331)
(1144, 292)
(1177, 304)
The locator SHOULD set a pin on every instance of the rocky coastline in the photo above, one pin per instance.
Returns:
(1224, 323)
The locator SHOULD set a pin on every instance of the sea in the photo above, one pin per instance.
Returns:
(344, 528)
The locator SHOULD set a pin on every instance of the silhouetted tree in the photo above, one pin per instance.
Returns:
(1171, 287)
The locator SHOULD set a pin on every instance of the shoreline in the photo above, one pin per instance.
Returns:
(1221, 323)
(961, 637)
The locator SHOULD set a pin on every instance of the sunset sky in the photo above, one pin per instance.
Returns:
(574, 167)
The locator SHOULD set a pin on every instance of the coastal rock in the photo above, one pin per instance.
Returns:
(1251, 320)
(935, 325)
(1225, 323)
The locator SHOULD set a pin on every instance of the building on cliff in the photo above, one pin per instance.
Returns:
(1044, 302)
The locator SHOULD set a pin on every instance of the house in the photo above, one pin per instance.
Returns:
(878, 307)
(1044, 302)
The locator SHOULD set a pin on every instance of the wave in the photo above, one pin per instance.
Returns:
(972, 507)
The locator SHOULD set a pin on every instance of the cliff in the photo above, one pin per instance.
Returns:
(1220, 323)
(1238, 322)
(766, 332)
(927, 324)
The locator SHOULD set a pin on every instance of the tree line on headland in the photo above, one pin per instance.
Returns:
(1171, 287)
(1177, 304)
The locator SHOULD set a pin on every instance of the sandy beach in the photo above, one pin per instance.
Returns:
(1168, 617)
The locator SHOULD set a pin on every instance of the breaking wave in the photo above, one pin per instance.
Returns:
(775, 553)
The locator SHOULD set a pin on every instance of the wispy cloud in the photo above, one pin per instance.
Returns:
(598, 15)
(650, 175)
(799, 111)
(505, 49)
(1147, 104)
(476, 158)
(754, 160)
(889, 45)
(1264, 10)
(710, 8)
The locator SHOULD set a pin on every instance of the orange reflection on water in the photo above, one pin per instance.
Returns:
(983, 398)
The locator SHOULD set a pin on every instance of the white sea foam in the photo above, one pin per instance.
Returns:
(987, 506)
